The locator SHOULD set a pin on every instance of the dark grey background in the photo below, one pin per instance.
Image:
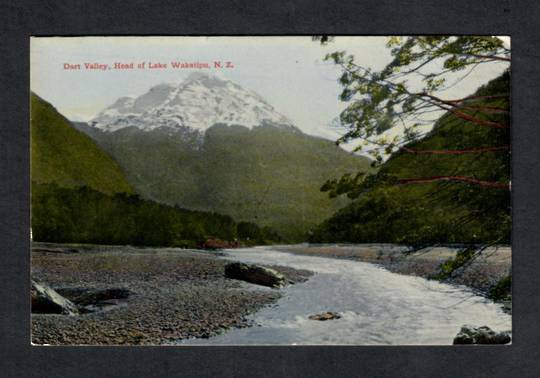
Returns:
(21, 19)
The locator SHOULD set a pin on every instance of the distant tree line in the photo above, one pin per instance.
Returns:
(84, 215)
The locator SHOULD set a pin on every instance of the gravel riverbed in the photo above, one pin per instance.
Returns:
(174, 294)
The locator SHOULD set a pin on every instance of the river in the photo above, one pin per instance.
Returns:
(377, 307)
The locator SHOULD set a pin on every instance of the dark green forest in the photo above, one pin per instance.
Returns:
(84, 215)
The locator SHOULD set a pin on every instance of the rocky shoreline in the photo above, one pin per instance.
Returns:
(174, 294)
(481, 274)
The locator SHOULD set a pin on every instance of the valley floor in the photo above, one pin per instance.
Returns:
(174, 294)
(177, 294)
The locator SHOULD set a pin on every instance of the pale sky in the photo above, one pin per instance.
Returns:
(289, 72)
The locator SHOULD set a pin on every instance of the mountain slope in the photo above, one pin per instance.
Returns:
(271, 176)
(268, 175)
(208, 144)
(63, 155)
(438, 211)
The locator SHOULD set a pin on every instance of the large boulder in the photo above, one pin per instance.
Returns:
(92, 300)
(45, 300)
(254, 274)
(481, 335)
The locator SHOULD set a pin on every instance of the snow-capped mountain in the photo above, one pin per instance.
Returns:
(177, 145)
(198, 103)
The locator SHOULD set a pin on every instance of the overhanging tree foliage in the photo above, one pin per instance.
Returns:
(455, 150)
(391, 108)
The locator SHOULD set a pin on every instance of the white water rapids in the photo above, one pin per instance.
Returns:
(377, 307)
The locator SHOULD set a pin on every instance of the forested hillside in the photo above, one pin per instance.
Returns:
(419, 196)
(84, 215)
(267, 175)
(64, 155)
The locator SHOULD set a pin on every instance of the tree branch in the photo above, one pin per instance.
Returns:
(453, 105)
(493, 57)
(486, 109)
(470, 98)
(478, 121)
(469, 180)
(455, 152)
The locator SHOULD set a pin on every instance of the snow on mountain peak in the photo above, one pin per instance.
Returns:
(199, 102)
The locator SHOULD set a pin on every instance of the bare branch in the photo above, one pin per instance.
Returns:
(478, 121)
(475, 98)
(456, 152)
(469, 180)
(491, 57)
(453, 105)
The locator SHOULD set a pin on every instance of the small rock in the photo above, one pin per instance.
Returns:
(481, 335)
(254, 274)
(329, 315)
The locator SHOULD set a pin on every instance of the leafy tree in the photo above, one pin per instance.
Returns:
(456, 149)
(391, 108)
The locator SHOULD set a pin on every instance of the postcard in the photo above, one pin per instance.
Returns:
(283, 190)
